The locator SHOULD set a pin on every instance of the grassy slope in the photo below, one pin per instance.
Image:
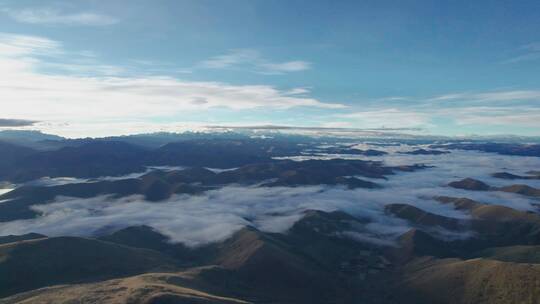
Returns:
(147, 288)
(33, 264)
(453, 281)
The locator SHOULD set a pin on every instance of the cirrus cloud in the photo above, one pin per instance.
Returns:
(54, 16)
(252, 60)
(388, 118)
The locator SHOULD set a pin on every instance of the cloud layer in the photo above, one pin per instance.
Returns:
(54, 16)
(253, 61)
(215, 215)
(510, 108)
(6, 122)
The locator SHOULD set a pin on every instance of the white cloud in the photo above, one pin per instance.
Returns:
(523, 119)
(423, 117)
(54, 16)
(298, 91)
(251, 60)
(71, 92)
(30, 93)
(520, 116)
(525, 57)
(235, 57)
(512, 108)
(529, 52)
(388, 118)
(514, 95)
(13, 46)
(290, 66)
(337, 124)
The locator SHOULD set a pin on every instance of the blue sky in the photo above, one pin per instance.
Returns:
(117, 67)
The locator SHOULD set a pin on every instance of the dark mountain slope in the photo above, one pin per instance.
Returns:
(308, 264)
(10, 154)
(423, 218)
(506, 175)
(425, 152)
(489, 212)
(489, 226)
(498, 225)
(43, 262)
(93, 159)
(470, 184)
(416, 243)
(447, 281)
(147, 237)
(31, 139)
(221, 153)
(348, 151)
(312, 171)
(287, 275)
(17, 238)
(521, 189)
(500, 148)
(476, 185)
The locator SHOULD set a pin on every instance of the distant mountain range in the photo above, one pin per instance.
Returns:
(28, 155)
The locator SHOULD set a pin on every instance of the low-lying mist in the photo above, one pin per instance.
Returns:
(215, 215)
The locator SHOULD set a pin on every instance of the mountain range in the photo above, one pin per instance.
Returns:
(340, 221)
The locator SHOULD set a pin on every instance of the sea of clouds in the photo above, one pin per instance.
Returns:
(217, 214)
